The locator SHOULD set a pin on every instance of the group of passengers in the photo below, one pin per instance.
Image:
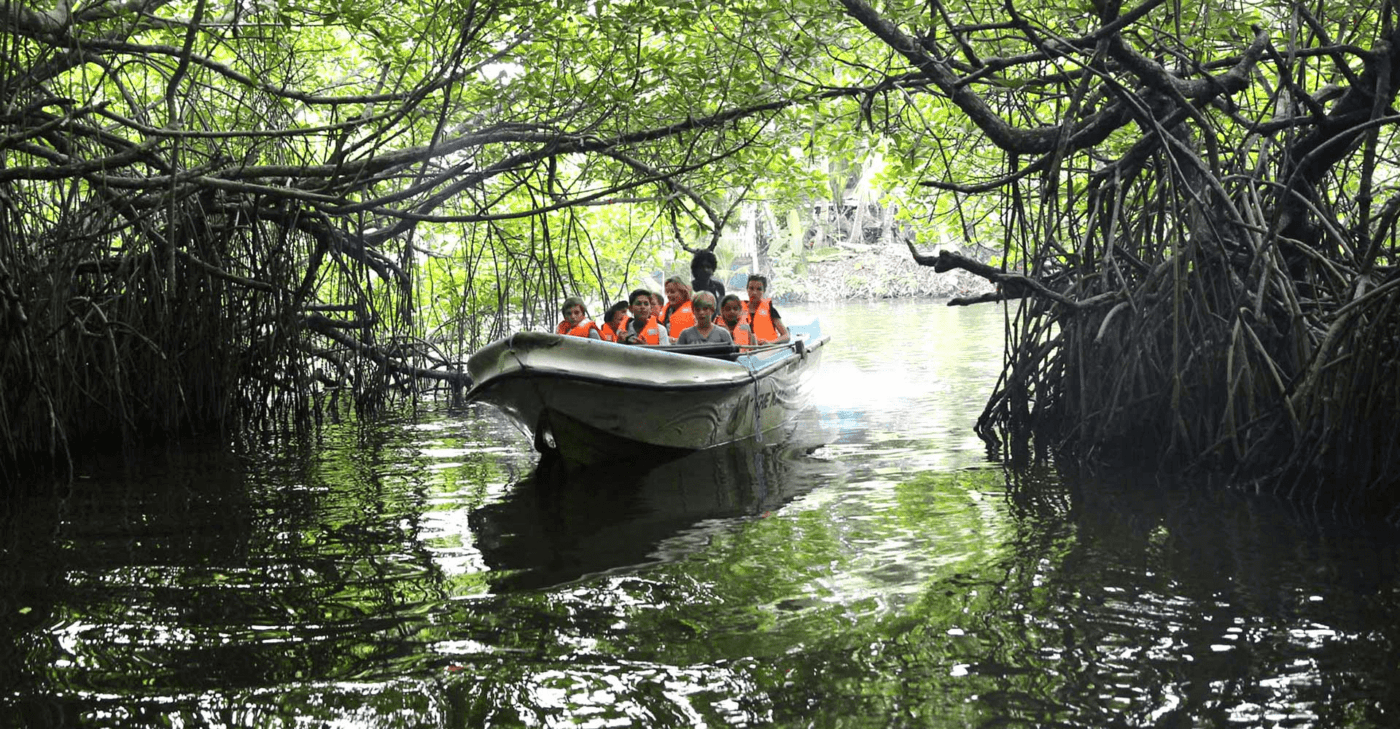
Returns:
(687, 316)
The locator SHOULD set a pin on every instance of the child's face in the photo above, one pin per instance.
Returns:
(673, 293)
(617, 318)
(656, 303)
(704, 315)
(574, 315)
(755, 290)
(641, 307)
(730, 311)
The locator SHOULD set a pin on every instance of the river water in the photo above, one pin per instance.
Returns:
(872, 567)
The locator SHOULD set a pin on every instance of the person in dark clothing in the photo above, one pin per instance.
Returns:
(702, 268)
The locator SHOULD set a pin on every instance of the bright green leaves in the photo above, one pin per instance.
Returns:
(351, 13)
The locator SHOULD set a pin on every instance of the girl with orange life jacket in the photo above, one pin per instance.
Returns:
(614, 322)
(731, 312)
(679, 315)
(576, 322)
(763, 318)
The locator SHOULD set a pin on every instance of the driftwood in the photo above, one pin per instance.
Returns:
(332, 330)
(1010, 286)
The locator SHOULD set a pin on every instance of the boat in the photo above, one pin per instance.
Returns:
(593, 402)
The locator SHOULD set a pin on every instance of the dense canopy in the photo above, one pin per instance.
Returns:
(226, 213)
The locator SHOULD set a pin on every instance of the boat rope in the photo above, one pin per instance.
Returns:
(757, 421)
(749, 365)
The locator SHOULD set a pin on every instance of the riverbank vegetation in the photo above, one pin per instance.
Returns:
(1206, 212)
(230, 216)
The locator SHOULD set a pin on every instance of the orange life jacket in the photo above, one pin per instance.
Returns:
(583, 328)
(651, 332)
(741, 334)
(680, 319)
(761, 321)
(562, 327)
(616, 335)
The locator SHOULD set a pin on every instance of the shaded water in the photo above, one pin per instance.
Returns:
(873, 569)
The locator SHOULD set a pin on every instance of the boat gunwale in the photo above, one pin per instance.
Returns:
(743, 376)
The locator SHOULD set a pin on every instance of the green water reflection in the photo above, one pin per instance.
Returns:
(870, 568)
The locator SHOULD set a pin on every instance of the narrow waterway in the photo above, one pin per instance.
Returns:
(870, 568)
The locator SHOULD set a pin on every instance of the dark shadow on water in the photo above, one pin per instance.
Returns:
(1206, 603)
(559, 523)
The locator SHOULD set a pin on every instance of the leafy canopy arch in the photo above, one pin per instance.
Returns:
(1196, 198)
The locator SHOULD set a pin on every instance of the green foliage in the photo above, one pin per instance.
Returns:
(357, 192)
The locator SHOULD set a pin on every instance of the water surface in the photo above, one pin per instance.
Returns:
(873, 568)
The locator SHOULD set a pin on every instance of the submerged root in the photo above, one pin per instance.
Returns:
(1213, 355)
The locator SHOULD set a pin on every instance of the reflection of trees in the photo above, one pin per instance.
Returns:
(1149, 603)
(1127, 603)
(928, 601)
(316, 567)
(223, 577)
(90, 567)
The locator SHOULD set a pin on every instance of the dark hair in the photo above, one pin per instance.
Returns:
(704, 256)
(730, 297)
(632, 297)
(570, 303)
(761, 279)
(612, 311)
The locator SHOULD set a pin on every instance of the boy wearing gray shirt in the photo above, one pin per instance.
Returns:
(704, 331)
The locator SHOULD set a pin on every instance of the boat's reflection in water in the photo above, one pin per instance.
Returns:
(559, 524)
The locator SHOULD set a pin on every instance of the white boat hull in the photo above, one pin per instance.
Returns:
(594, 401)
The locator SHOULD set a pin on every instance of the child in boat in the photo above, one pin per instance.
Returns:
(704, 331)
(679, 314)
(643, 329)
(731, 311)
(763, 317)
(576, 322)
(614, 322)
